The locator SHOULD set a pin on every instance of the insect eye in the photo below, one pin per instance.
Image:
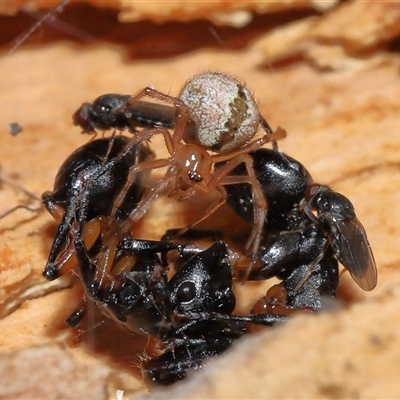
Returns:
(311, 191)
(186, 292)
(105, 109)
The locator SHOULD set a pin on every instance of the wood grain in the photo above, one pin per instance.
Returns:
(336, 93)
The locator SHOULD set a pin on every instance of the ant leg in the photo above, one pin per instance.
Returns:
(91, 232)
(54, 209)
(76, 317)
(51, 270)
(259, 319)
(94, 274)
(79, 200)
(313, 266)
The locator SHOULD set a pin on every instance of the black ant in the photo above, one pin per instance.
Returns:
(85, 188)
(293, 234)
(305, 262)
(298, 247)
(283, 181)
(190, 314)
(214, 112)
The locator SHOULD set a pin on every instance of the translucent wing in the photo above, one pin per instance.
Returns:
(351, 246)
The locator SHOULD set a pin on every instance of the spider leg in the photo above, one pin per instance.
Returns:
(146, 165)
(151, 195)
(182, 111)
(253, 145)
(209, 211)
(221, 177)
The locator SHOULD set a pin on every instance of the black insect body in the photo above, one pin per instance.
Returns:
(175, 363)
(145, 301)
(299, 247)
(311, 287)
(292, 197)
(113, 111)
(336, 216)
(300, 231)
(283, 181)
(85, 188)
(306, 257)
(305, 262)
(191, 313)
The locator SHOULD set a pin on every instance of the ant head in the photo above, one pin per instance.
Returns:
(224, 112)
(205, 283)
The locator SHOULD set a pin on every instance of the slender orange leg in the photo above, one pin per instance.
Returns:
(172, 142)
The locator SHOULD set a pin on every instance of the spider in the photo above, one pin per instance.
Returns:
(213, 113)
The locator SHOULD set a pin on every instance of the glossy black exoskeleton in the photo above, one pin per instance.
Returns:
(86, 186)
(176, 362)
(283, 181)
(294, 238)
(191, 313)
(113, 111)
(305, 262)
(301, 258)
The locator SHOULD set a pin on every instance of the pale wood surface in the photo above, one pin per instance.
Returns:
(338, 99)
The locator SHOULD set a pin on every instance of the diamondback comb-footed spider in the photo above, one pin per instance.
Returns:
(216, 119)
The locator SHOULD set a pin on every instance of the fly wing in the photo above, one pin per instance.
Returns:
(351, 247)
(147, 114)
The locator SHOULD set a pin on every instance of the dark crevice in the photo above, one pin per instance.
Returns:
(393, 46)
(84, 24)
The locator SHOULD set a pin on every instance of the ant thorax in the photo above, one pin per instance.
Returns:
(223, 110)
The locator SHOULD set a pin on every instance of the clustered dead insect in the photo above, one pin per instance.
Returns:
(301, 230)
